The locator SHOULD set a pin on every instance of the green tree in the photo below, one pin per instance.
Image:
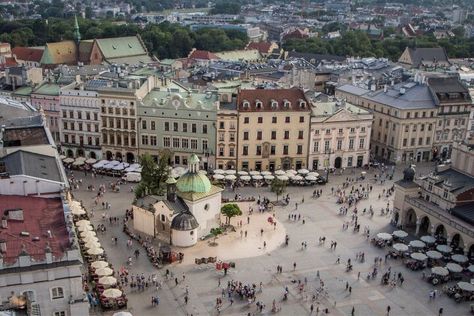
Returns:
(278, 187)
(154, 175)
(225, 7)
(230, 210)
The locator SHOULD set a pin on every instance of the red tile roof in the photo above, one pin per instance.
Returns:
(266, 96)
(202, 54)
(27, 54)
(298, 33)
(39, 216)
(262, 47)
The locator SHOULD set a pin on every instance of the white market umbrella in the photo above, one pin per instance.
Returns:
(95, 251)
(465, 286)
(108, 166)
(433, 254)
(296, 178)
(230, 172)
(62, 157)
(400, 234)
(313, 174)
(400, 247)
(78, 163)
(428, 239)
(303, 171)
(242, 173)
(118, 167)
(471, 268)
(108, 280)
(384, 236)
(440, 271)
(112, 293)
(269, 177)
(230, 177)
(254, 173)
(114, 162)
(418, 256)
(311, 178)
(68, 160)
(245, 178)
(104, 271)
(417, 244)
(219, 171)
(90, 238)
(100, 164)
(87, 233)
(282, 178)
(81, 159)
(454, 267)
(257, 177)
(280, 172)
(444, 248)
(92, 244)
(218, 176)
(291, 171)
(459, 258)
(78, 211)
(99, 264)
(266, 173)
(122, 313)
(91, 161)
(84, 228)
(83, 222)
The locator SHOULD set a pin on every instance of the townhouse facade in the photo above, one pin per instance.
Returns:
(273, 129)
(46, 97)
(411, 123)
(80, 126)
(227, 135)
(180, 123)
(339, 136)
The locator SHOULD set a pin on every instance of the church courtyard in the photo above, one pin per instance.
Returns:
(305, 262)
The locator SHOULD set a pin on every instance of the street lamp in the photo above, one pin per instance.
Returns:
(328, 152)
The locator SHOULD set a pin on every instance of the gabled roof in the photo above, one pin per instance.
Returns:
(267, 96)
(64, 52)
(121, 47)
(262, 47)
(315, 58)
(28, 54)
(85, 49)
(427, 56)
(48, 89)
(202, 55)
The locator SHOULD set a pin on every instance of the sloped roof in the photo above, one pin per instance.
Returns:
(25, 136)
(32, 164)
(266, 96)
(315, 58)
(195, 196)
(121, 47)
(262, 47)
(85, 49)
(27, 53)
(48, 89)
(202, 54)
(240, 55)
(64, 52)
(184, 221)
(428, 55)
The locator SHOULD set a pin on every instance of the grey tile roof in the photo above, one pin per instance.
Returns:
(447, 85)
(428, 55)
(458, 181)
(353, 89)
(416, 97)
(32, 164)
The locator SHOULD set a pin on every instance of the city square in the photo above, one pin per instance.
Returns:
(317, 262)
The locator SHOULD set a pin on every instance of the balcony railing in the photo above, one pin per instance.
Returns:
(441, 214)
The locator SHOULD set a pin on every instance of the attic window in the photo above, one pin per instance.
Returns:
(258, 103)
(287, 104)
(246, 104)
(274, 104)
(302, 104)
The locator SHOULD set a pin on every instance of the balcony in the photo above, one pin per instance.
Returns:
(442, 215)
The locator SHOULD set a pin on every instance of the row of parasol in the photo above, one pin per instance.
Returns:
(232, 175)
(79, 161)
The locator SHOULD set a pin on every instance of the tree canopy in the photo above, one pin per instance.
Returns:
(278, 187)
(230, 210)
(154, 175)
(225, 7)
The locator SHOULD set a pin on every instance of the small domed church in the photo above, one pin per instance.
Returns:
(189, 210)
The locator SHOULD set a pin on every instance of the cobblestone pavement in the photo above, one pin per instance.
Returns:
(255, 265)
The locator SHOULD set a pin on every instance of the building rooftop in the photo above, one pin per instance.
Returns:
(25, 136)
(272, 100)
(240, 55)
(48, 89)
(192, 101)
(32, 164)
(27, 53)
(329, 108)
(33, 225)
(404, 96)
(455, 181)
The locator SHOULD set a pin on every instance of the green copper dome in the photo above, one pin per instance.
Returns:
(193, 181)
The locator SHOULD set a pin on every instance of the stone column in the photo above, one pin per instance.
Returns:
(466, 250)
(448, 239)
(433, 230)
(418, 223)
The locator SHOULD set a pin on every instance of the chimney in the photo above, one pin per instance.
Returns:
(4, 222)
(48, 253)
(49, 234)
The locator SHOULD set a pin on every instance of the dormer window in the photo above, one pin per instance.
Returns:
(302, 104)
(274, 104)
(287, 104)
(246, 104)
(258, 104)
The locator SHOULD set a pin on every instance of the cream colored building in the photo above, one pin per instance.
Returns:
(273, 129)
(415, 121)
(227, 136)
(339, 136)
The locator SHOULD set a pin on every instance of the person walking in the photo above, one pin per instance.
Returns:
(388, 310)
(440, 312)
(353, 311)
(294, 266)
